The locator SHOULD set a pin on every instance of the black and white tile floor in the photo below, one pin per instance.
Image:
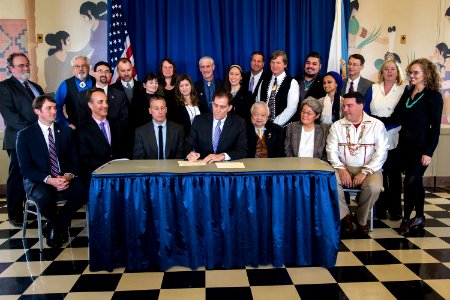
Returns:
(381, 265)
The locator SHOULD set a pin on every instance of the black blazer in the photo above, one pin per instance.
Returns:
(180, 115)
(138, 113)
(246, 82)
(145, 146)
(274, 135)
(315, 90)
(94, 149)
(15, 108)
(32, 152)
(242, 103)
(232, 141)
(117, 106)
(201, 91)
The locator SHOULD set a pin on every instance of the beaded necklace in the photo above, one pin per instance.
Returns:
(414, 102)
(354, 148)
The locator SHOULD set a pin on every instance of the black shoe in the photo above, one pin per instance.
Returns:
(404, 227)
(53, 238)
(16, 223)
(64, 235)
(417, 223)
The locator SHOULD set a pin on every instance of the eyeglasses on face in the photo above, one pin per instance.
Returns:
(21, 66)
(307, 113)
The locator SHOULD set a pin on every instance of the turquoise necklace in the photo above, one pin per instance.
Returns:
(414, 102)
(307, 84)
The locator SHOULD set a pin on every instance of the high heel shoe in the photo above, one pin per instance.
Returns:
(417, 223)
(404, 227)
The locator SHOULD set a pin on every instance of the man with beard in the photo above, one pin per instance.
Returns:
(16, 96)
(67, 93)
(311, 82)
(117, 101)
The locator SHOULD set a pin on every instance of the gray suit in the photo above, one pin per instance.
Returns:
(146, 147)
(363, 86)
(293, 136)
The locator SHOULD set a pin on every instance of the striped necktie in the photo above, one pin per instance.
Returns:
(216, 136)
(54, 165)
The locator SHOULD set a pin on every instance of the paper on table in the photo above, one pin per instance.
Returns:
(186, 163)
(230, 165)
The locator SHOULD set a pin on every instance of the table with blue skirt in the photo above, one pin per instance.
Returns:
(155, 214)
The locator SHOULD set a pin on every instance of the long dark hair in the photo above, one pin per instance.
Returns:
(99, 11)
(56, 40)
(179, 97)
(161, 79)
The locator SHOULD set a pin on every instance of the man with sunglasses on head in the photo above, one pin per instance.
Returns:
(68, 90)
(16, 96)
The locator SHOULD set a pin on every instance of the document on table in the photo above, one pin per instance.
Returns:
(230, 165)
(186, 163)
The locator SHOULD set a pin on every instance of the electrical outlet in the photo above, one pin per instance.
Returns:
(39, 38)
(403, 39)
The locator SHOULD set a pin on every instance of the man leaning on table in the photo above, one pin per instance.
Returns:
(159, 138)
(357, 148)
(218, 136)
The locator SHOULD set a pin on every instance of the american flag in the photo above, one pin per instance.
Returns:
(118, 39)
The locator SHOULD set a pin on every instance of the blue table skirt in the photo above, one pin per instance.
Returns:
(213, 219)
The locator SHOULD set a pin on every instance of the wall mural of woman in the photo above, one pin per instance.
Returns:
(96, 16)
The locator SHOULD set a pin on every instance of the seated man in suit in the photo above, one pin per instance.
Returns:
(48, 161)
(160, 138)
(100, 138)
(264, 138)
(218, 136)
(117, 101)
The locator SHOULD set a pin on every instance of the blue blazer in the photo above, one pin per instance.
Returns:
(32, 152)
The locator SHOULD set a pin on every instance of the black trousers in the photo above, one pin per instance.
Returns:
(390, 199)
(15, 193)
(46, 197)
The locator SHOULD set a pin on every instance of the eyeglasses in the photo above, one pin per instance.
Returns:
(103, 71)
(21, 66)
(84, 66)
(309, 114)
(414, 72)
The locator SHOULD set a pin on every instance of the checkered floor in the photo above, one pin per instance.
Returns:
(382, 265)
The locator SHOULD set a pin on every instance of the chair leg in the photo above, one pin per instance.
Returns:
(371, 220)
(25, 219)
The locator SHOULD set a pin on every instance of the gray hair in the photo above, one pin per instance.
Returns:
(315, 105)
(206, 58)
(260, 104)
(72, 62)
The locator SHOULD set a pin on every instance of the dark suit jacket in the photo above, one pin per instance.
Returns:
(180, 115)
(232, 141)
(15, 108)
(293, 136)
(145, 146)
(242, 103)
(363, 86)
(274, 135)
(32, 152)
(246, 83)
(94, 149)
(117, 106)
(138, 107)
(201, 91)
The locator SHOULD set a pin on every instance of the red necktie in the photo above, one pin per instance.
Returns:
(351, 90)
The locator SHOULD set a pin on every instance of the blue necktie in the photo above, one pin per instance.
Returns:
(160, 143)
(252, 82)
(216, 136)
(103, 129)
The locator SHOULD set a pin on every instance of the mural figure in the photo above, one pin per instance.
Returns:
(96, 15)
(355, 31)
(57, 65)
(440, 58)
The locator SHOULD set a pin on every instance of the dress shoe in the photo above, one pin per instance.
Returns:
(363, 229)
(53, 238)
(16, 223)
(404, 227)
(417, 223)
(346, 224)
(64, 235)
